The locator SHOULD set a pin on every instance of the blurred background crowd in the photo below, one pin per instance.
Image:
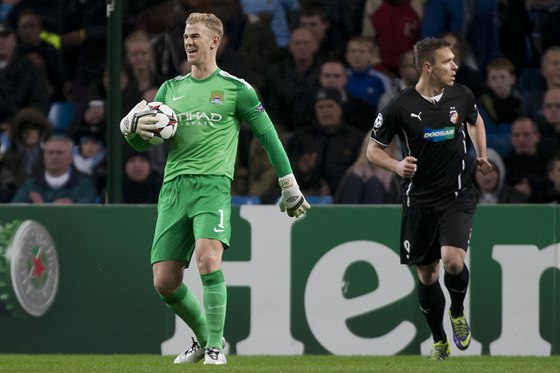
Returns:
(323, 70)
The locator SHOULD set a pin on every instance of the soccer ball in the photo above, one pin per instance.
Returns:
(167, 122)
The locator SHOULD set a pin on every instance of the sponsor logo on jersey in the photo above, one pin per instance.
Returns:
(453, 116)
(199, 119)
(260, 108)
(439, 134)
(217, 97)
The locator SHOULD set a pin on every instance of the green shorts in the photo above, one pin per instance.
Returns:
(191, 207)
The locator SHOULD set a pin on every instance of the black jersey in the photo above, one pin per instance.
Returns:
(435, 134)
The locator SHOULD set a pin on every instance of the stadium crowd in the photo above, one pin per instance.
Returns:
(323, 70)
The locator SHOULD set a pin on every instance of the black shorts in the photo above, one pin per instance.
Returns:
(424, 230)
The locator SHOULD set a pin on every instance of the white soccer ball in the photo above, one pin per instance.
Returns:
(167, 122)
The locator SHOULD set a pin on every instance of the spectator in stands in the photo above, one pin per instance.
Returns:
(492, 188)
(549, 125)
(252, 38)
(23, 84)
(407, 77)
(364, 81)
(29, 29)
(474, 20)
(553, 189)
(346, 15)
(501, 100)
(372, 5)
(442, 16)
(24, 157)
(397, 28)
(60, 183)
(515, 35)
(235, 63)
(279, 11)
(525, 166)
(90, 155)
(91, 110)
(290, 84)
(467, 68)
(356, 112)
(83, 34)
(545, 15)
(321, 154)
(314, 17)
(139, 59)
(550, 71)
(500, 104)
(194, 6)
(51, 13)
(141, 184)
(165, 24)
(365, 183)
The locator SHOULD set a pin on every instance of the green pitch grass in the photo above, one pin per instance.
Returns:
(276, 364)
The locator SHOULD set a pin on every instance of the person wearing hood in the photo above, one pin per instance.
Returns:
(492, 188)
(321, 154)
(24, 156)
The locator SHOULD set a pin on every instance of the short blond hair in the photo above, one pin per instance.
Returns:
(209, 20)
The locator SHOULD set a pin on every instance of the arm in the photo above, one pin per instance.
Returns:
(477, 134)
(406, 168)
(275, 152)
(292, 199)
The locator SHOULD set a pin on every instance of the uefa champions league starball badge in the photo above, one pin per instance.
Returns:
(28, 268)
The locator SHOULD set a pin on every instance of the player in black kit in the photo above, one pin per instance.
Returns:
(431, 120)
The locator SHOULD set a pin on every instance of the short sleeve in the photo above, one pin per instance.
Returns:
(386, 125)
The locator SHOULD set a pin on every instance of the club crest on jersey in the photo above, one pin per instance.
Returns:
(217, 97)
(439, 134)
(453, 116)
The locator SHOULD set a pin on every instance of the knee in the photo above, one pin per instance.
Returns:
(208, 262)
(428, 278)
(209, 255)
(167, 284)
(428, 274)
(453, 265)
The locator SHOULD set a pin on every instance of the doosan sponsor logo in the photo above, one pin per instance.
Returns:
(439, 134)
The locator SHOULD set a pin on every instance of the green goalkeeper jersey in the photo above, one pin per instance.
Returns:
(209, 113)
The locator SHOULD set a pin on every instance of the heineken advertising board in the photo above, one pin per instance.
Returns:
(77, 279)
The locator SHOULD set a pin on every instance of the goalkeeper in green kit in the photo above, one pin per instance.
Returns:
(194, 205)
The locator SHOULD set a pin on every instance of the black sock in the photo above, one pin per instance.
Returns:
(457, 286)
(432, 305)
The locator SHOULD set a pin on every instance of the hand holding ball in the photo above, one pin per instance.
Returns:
(158, 119)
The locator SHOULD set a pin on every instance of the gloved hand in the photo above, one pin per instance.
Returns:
(139, 122)
(292, 199)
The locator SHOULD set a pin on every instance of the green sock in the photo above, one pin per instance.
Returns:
(215, 302)
(186, 306)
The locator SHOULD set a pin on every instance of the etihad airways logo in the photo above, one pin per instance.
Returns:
(439, 134)
(199, 119)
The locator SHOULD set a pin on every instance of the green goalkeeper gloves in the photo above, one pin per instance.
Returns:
(138, 122)
(292, 200)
